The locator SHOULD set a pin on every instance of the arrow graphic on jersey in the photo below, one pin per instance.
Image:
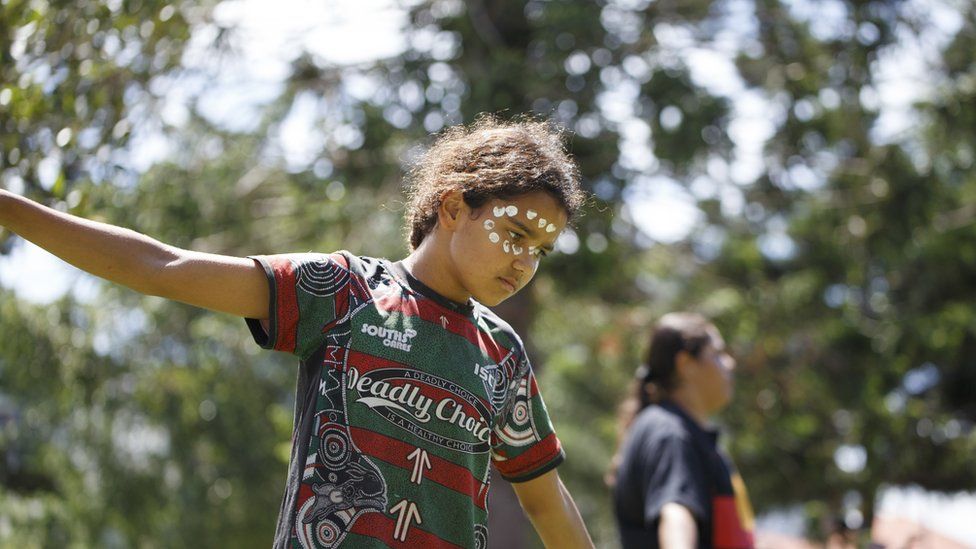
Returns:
(407, 512)
(421, 461)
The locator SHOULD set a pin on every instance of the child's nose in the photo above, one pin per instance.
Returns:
(523, 263)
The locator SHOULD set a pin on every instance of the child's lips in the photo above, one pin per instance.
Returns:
(508, 283)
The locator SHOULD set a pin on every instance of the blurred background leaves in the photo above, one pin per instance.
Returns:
(759, 161)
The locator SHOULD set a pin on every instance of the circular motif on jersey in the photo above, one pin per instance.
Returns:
(321, 277)
(521, 412)
(499, 391)
(327, 533)
(334, 447)
(480, 536)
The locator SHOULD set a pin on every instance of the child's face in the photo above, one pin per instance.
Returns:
(497, 248)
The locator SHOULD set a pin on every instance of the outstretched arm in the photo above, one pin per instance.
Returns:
(552, 511)
(221, 283)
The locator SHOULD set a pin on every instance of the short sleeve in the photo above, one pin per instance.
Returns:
(524, 443)
(672, 471)
(309, 295)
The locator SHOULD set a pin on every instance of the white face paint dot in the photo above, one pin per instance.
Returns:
(494, 237)
(531, 214)
(542, 222)
(489, 224)
(512, 211)
(517, 250)
(532, 249)
(507, 246)
(498, 211)
(550, 228)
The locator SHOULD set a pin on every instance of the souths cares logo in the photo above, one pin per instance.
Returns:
(396, 339)
(428, 406)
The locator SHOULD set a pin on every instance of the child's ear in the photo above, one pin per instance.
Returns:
(451, 208)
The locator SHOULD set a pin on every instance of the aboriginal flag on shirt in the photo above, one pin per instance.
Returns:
(404, 401)
(733, 521)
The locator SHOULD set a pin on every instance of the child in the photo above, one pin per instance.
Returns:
(409, 387)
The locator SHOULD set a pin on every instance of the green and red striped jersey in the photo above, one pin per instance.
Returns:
(404, 401)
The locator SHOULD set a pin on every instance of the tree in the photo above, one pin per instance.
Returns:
(835, 258)
(852, 331)
(79, 79)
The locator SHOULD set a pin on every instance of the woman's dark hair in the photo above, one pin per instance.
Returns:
(490, 159)
(655, 378)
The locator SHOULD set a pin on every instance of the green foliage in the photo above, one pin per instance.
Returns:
(77, 77)
(115, 449)
(842, 280)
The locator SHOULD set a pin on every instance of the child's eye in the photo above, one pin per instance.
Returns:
(515, 236)
(538, 252)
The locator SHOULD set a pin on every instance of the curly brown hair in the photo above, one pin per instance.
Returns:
(490, 159)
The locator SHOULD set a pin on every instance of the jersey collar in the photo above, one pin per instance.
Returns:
(401, 272)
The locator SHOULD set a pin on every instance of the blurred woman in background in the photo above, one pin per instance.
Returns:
(672, 485)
